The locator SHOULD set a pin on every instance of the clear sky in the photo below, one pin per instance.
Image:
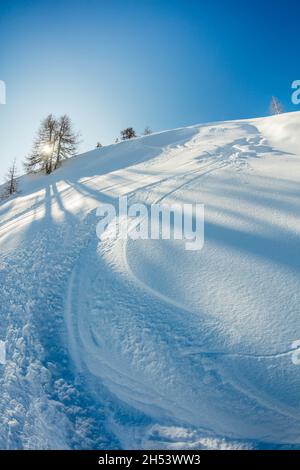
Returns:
(110, 64)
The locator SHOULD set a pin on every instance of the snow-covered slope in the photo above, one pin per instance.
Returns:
(142, 344)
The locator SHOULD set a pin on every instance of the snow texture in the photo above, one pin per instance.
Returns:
(141, 343)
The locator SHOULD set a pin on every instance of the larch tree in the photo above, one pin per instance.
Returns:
(42, 155)
(11, 185)
(55, 141)
(66, 140)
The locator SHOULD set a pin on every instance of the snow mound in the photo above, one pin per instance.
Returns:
(140, 343)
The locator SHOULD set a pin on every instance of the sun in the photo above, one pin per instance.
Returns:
(46, 149)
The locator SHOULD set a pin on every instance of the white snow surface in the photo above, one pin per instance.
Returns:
(141, 343)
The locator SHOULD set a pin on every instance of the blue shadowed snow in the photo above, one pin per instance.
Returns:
(142, 344)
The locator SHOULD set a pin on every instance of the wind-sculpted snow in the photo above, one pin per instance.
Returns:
(141, 343)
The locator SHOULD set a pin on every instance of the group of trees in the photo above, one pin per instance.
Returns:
(129, 133)
(56, 141)
(126, 134)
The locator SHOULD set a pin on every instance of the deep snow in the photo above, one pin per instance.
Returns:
(142, 344)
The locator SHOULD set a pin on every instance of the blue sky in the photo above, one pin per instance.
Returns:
(165, 64)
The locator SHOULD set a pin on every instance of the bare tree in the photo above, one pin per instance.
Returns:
(66, 140)
(276, 107)
(147, 131)
(55, 141)
(11, 181)
(128, 133)
(42, 154)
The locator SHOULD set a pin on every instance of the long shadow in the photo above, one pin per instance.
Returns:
(266, 192)
(57, 195)
(39, 203)
(47, 252)
(109, 159)
(92, 193)
(280, 249)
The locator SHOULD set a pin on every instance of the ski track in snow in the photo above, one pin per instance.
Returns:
(94, 347)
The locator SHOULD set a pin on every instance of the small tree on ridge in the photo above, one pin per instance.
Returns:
(128, 133)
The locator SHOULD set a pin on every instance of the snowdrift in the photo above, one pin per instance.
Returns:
(140, 343)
